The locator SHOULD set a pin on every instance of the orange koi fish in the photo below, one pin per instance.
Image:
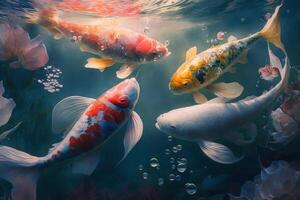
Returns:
(112, 43)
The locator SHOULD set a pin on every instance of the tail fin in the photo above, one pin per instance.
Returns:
(272, 30)
(20, 169)
(284, 71)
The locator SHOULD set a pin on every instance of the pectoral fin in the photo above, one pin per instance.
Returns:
(218, 152)
(68, 111)
(190, 54)
(125, 71)
(98, 63)
(226, 90)
(133, 134)
(199, 98)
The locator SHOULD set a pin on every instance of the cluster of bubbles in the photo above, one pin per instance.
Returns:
(178, 168)
(216, 40)
(50, 82)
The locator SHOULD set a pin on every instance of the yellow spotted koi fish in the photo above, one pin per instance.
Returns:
(201, 70)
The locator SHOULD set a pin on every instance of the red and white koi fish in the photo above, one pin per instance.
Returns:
(97, 120)
(114, 44)
(16, 43)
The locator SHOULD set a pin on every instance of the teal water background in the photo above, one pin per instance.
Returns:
(202, 20)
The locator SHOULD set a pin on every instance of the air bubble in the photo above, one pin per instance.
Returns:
(190, 188)
(145, 175)
(174, 149)
(172, 160)
(182, 160)
(179, 147)
(160, 181)
(146, 29)
(204, 28)
(154, 162)
(172, 177)
(181, 167)
(167, 151)
(170, 138)
(167, 43)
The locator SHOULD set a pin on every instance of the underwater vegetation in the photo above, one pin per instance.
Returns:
(278, 181)
(94, 100)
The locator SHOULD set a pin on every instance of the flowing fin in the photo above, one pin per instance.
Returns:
(19, 168)
(232, 38)
(275, 61)
(125, 70)
(244, 58)
(272, 29)
(190, 54)
(226, 90)
(245, 135)
(87, 164)
(8, 132)
(218, 152)
(68, 111)
(199, 98)
(133, 133)
(6, 106)
(99, 63)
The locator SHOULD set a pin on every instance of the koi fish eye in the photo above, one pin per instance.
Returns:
(155, 54)
(122, 101)
(200, 75)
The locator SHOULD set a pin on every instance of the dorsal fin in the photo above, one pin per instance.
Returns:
(67, 111)
(190, 54)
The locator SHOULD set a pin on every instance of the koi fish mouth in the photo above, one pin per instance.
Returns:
(157, 125)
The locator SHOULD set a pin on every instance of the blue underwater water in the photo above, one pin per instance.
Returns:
(183, 172)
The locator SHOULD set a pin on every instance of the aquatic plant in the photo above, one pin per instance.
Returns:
(286, 118)
(278, 181)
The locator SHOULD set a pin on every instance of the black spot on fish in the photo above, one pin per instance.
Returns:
(200, 76)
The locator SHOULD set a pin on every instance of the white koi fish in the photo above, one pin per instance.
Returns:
(217, 119)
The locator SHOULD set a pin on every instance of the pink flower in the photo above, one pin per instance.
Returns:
(16, 43)
(268, 72)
